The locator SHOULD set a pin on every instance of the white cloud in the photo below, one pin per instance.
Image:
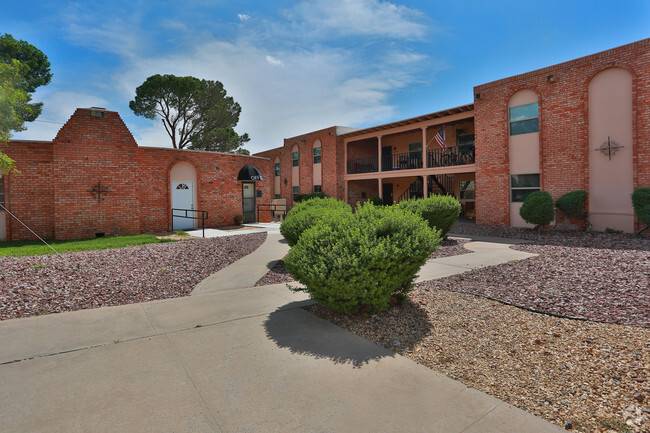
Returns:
(272, 60)
(358, 17)
(57, 109)
(243, 17)
(102, 31)
(320, 83)
(315, 89)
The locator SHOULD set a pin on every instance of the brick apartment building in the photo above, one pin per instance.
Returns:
(94, 180)
(583, 124)
(579, 125)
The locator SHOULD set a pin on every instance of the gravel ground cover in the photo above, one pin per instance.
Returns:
(90, 279)
(279, 274)
(594, 376)
(592, 276)
(581, 375)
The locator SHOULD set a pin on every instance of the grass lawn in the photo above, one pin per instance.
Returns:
(37, 248)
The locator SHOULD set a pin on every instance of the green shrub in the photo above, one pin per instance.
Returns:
(304, 197)
(305, 214)
(538, 209)
(356, 262)
(572, 202)
(439, 211)
(376, 200)
(641, 203)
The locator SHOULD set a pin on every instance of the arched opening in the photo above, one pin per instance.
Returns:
(184, 195)
(523, 148)
(611, 179)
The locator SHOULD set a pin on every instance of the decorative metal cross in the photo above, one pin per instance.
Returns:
(609, 147)
(98, 190)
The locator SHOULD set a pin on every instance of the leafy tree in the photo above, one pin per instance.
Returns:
(195, 113)
(14, 107)
(35, 70)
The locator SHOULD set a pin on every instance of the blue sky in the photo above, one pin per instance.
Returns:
(299, 66)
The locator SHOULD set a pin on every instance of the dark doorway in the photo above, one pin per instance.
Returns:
(248, 201)
(386, 158)
(387, 191)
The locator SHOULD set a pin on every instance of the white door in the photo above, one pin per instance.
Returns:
(183, 198)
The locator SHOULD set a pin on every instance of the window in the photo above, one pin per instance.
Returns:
(277, 169)
(278, 196)
(2, 190)
(317, 155)
(522, 185)
(295, 190)
(523, 119)
(318, 188)
(294, 157)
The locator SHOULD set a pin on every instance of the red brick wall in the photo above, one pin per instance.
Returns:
(218, 190)
(53, 193)
(357, 188)
(331, 180)
(30, 194)
(564, 127)
(89, 150)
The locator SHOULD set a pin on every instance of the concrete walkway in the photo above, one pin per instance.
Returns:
(229, 360)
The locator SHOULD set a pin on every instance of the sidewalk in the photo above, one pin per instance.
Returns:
(228, 360)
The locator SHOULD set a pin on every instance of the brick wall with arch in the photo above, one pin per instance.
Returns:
(564, 147)
(94, 180)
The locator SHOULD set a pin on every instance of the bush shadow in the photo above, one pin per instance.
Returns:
(316, 331)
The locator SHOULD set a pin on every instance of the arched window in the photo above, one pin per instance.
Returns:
(523, 118)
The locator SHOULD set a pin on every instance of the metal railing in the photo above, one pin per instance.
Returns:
(280, 210)
(203, 217)
(362, 165)
(457, 155)
(401, 161)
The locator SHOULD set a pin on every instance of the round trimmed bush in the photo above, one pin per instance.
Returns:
(641, 203)
(538, 209)
(572, 202)
(439, 211)
(305, 214)
(356, 262)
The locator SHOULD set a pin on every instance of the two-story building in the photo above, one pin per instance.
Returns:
(579, 125)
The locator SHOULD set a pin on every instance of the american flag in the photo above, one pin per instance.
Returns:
(440, 138)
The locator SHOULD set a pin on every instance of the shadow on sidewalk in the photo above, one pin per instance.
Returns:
(303, 333)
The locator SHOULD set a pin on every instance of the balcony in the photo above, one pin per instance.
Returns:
(401, 161)
(362, 165)
(457, 155)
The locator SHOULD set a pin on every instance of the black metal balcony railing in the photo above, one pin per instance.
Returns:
(401, 161)
(362, 165)
(457, 155)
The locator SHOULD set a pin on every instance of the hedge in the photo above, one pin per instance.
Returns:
(439, 211)
(641, 204)
(572, 202)
(356, 262)
(538, 209)
(305, 214)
